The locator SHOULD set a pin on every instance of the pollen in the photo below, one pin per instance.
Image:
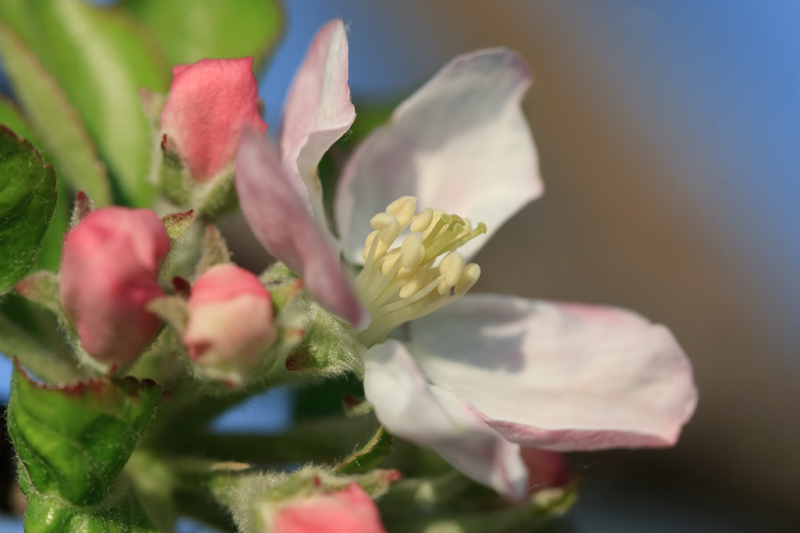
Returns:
(411, 266)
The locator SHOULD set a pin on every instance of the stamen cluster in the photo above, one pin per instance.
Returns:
(405, 282)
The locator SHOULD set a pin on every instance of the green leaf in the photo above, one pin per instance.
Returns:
(73, 441)
(27, 201)
(50, 364)
(50, 254)
(54, 119)
(50, 515)
(101, 58)
(190, 30)
(49, 257)
(13, 120)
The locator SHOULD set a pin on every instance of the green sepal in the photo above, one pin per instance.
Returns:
(27, 202)
(171, 309)
(368, 456)
(52, 515)
(211, 198)
(53, 118)
(83, 206)
(329, 348)
(73, 440)
(215, 250)
(177, 224)
(283, 284)
(169, 174)
(217, 196)
(42, 287)
(191, 30)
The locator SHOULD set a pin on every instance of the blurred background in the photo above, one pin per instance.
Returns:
(669, 135)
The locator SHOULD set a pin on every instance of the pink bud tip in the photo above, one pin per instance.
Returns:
(208, 103)
(350, 510)
(230, 322)
(109, 273)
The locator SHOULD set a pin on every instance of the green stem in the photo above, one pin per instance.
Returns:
(319, 441)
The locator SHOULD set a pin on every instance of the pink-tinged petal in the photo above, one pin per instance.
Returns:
(559, 376)
(109, 273)
(546, 469)
(427, 415)
(284, 226)
(208, 104)
(318, 110)
(349, 510)
(230, 325)
(460, 143)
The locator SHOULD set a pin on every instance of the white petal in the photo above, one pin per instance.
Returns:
(318, 110)
(559, 376)
(411, 408)
(460, 144)
(284, 226)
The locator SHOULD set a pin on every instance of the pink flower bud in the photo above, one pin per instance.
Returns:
(208, 103)
(350, 510)
(230, 322)
(109, 272)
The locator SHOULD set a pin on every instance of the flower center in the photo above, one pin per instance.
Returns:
(403, 281)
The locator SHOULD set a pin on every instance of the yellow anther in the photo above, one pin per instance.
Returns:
(380, 246)
(391, 259)
(470, 276)
(414, 284)
(412, 251)
(382, 220)
(452, 266)
(403, 209)
(422, 221)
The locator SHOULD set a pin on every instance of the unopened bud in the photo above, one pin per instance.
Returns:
(208, 104)
(109, 272)
(230, 326)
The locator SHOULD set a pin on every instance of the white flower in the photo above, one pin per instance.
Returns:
(482, 375)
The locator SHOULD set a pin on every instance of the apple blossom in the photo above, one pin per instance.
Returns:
(483, 375)
(350, 510)
(208, 104)
(109, 272)
(230, 323)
